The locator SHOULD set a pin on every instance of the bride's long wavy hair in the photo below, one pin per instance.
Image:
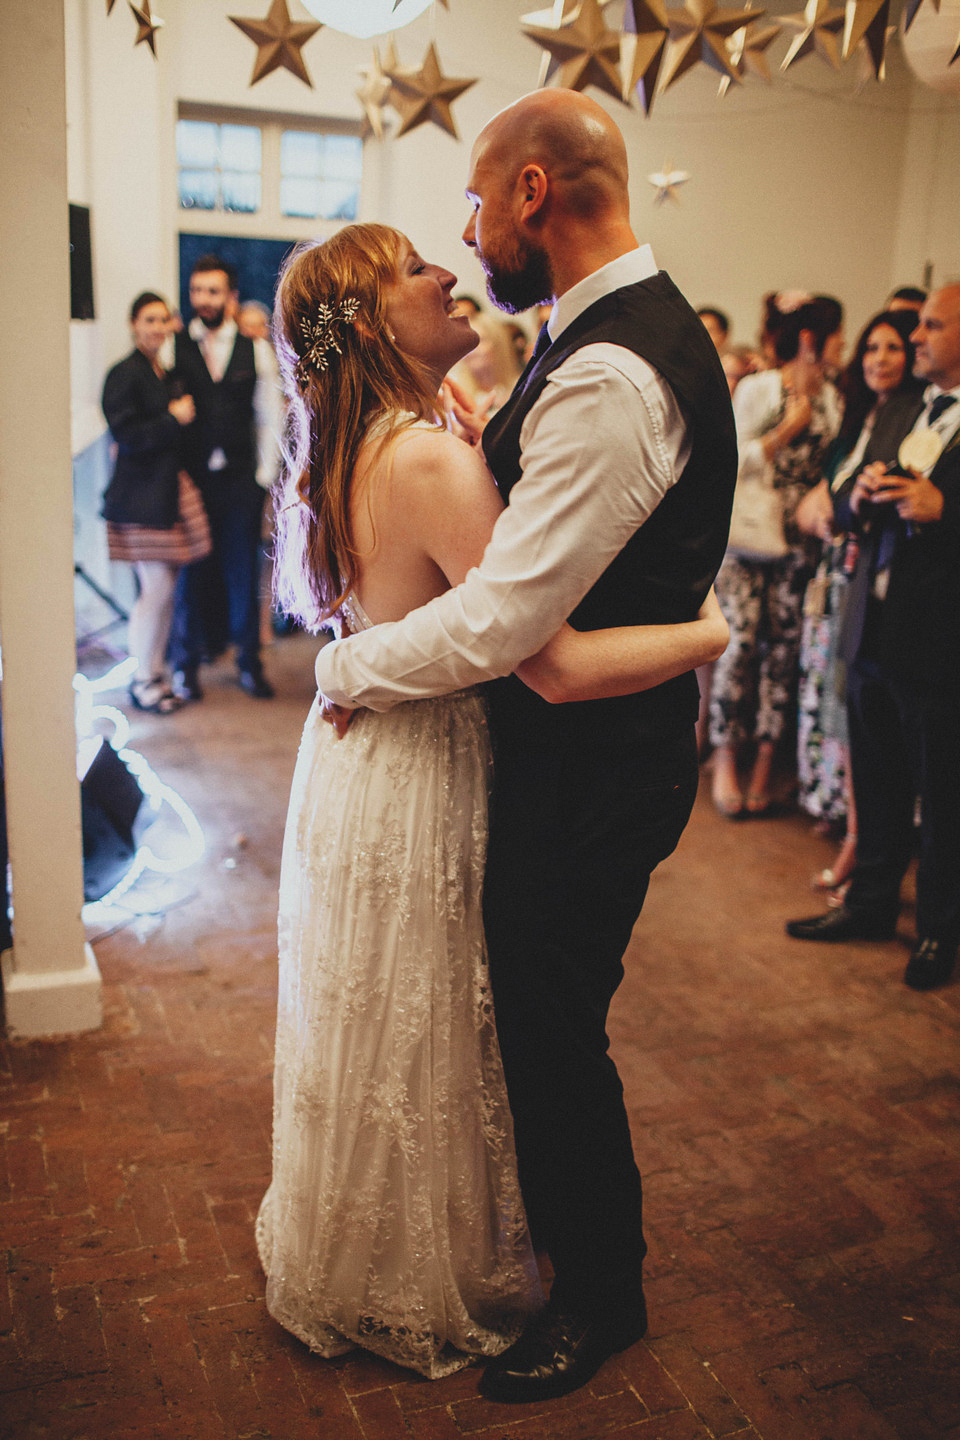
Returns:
(330, 410)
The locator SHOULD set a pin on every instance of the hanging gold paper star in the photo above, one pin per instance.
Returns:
(864, 63)
(910, 9)
(820, 29)
(642, 47)
(747, 49)
(147, 26)
(425, 94)
(866, 20)
(666, 183)
(699, 32)
(374, 93)
(585, 52)
(279, 41)
(556, 14)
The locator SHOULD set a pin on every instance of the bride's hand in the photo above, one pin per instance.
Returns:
(336, 715)
(465, 418)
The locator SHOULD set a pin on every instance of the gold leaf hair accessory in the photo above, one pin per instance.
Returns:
(320, 335)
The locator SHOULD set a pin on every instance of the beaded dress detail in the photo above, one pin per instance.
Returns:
(394, 1219)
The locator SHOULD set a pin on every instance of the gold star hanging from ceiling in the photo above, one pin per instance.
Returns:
(374, 93)
(699, 32)
(147, 26)
(559, 13)
(642, 48)
(584, 51)
(666, 182)
(866, 20)
(819, 28)
(279, 41)
(425, 94)
(747, 49)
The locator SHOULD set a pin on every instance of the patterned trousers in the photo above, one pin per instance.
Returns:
(755, 679)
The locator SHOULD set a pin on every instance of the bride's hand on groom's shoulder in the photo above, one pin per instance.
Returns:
(463, 416)
(336, 715)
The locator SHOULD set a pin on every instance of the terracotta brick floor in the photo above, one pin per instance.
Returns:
(795, 1112)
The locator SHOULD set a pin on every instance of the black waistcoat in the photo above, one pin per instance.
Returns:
(664, 572)
(224, 408)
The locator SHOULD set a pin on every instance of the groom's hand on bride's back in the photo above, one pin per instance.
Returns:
(336, 715)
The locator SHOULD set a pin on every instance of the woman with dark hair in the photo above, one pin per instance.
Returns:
(155, 516)
(882, 366)
(394, 1219)
(786, 418)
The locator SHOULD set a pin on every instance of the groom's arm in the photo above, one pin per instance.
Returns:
(600, 449)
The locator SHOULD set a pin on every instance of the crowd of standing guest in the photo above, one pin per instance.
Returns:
(846, 636)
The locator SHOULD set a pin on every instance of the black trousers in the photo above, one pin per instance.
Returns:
(227, 580)
(904, 743)
(576, 830)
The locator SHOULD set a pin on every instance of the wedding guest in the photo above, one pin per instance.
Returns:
(232, 452)
(786, 418)
(881, 368)
(155, 516)
(716, 324)
(900, 639)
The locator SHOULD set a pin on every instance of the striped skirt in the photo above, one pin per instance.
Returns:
(184, 542)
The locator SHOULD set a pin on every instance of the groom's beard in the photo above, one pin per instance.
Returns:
(214, 320)
(519, 281)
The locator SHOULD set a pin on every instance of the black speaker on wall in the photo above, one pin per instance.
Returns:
(81, 264)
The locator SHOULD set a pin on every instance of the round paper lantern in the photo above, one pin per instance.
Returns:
(366, 17)
(931, 42)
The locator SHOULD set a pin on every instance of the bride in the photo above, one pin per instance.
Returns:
(394, 1219)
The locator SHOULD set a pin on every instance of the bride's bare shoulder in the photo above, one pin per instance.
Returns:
(430, 458)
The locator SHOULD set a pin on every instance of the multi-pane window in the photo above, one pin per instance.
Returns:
(220, 166)
(273, 169)
(320, 175)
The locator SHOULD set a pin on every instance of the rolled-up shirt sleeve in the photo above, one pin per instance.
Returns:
(600, 447)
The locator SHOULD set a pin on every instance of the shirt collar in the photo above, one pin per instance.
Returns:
(627, 269)
(223, 333)
(933, 391)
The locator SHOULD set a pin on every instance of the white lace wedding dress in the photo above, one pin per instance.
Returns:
(393, 1219)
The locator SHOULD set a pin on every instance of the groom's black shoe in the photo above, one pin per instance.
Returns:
(558, 1352)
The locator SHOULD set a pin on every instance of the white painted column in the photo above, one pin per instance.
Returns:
(50, 977)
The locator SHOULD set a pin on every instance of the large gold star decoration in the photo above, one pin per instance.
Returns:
(147, 26)
(585, 52)
(819, 28)
(699, 32)
(747, 49)
(642, 48)
(866, 20)
(279, 41)
(374, 93)
(425, 94)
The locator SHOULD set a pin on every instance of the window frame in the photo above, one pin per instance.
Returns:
(268, 221)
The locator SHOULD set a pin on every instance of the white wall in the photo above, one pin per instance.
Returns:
(809, 181)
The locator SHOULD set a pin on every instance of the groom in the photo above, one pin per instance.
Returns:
(617, 455)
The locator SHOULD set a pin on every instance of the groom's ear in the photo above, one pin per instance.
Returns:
(532, 191)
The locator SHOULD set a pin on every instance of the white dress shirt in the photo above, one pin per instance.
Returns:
(216, 347)
(601, 445)
(946, 424)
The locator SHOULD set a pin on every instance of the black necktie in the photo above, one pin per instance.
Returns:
(543, 340)
(937, 407)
